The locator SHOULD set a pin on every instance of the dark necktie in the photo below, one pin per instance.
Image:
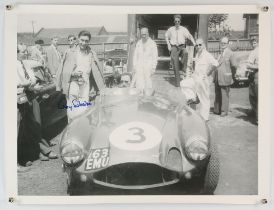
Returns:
(221, 56)
(25, 71)
(177, 40)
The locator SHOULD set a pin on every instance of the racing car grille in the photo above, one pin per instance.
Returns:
(135, 176)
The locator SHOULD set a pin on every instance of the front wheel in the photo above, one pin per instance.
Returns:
(72, 185)
(76, 187)
(212, 173)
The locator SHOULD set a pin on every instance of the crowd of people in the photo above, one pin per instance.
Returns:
(30, 143)
(196, 86)
(78, 75)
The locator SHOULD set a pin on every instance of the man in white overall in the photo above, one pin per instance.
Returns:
(144, 61)
(205, 63)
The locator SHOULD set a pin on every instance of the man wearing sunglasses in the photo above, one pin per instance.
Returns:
(176, 42)
(80, 74)
(205, 64)
(72, 40)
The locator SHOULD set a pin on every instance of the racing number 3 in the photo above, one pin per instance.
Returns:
(139, 133)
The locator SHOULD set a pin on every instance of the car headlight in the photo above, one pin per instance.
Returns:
(72, 153)
(196, 148)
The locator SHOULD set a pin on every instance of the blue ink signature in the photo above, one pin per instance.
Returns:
(75, 104)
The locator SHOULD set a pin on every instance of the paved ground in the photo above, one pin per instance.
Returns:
(237, 142)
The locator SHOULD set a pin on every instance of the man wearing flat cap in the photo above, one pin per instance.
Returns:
(176, 42)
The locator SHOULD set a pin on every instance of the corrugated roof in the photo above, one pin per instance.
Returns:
(94, 39)
(65, 32)
(121, 38)
(116, 53)
(28, 39)
(117, 33)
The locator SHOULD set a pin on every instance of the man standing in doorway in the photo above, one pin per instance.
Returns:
(53, 57)
(176, 42)
(223, 79)
(144, 61)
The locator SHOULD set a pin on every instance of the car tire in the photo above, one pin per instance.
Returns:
(76, 187)
(212, 173)
(235, 84)
(71, 186)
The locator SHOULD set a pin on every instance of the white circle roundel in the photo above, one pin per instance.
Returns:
(135, 136)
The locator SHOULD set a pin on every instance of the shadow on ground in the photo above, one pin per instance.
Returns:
(247, 115)
(241, 113)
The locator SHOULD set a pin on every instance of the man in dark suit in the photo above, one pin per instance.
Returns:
(223, 79)
(53, 59)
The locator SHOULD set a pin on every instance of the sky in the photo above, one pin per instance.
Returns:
(236, 22)
(112, 23)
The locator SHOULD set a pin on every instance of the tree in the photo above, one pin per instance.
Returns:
(216, 20)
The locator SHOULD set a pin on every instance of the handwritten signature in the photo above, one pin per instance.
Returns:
(75, 104)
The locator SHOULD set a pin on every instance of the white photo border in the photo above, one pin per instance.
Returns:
(264, 129)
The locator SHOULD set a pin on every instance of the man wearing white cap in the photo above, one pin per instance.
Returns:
(144, 61)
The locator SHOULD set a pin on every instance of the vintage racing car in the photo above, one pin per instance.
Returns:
(129, 141)
(240, 73)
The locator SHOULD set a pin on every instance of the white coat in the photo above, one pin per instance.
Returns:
(203, 63)
(144, 63)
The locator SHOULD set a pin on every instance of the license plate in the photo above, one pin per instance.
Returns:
(97, 159)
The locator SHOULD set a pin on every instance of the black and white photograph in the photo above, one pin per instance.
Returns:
(119, 104)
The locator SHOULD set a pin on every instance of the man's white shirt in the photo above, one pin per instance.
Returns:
(203, 62)
(177, 36)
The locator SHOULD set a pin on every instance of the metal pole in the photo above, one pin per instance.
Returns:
(104, 56)
(32, 23)
(131, 40)
(104, 49)
(203, 27)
